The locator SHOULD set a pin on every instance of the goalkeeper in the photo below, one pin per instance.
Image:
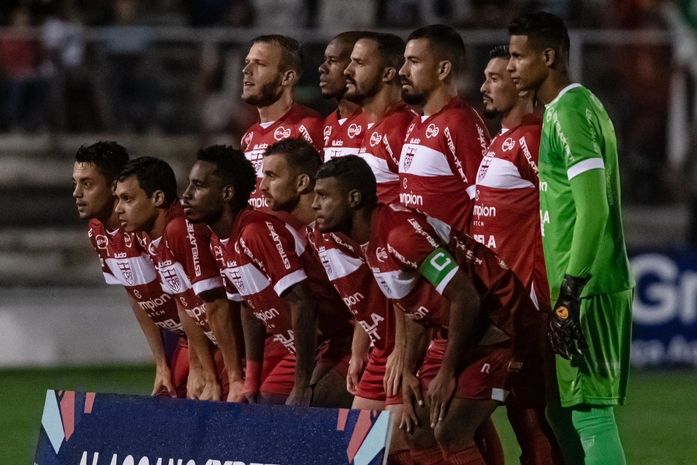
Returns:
(587, 267)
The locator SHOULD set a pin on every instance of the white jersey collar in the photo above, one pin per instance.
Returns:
(563, 91)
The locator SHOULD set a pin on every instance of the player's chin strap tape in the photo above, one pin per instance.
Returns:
(439, 268)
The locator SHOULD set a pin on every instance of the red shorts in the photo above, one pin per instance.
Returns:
(371, 386)
(178, 360)
(280, 375)
(484, 376)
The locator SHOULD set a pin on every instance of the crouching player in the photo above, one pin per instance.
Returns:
(125, 263)
(147, 202)
(484, 319)
(267, 261)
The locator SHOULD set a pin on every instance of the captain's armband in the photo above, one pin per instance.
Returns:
(439, 268)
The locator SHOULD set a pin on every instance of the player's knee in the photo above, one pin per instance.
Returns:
(451, 437)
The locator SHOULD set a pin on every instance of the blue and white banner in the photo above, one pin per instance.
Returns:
(107, 429)
(665, 308)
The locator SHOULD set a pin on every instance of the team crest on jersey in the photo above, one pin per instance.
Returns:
(247, 139)
(381, 254)
(432, 131)
(127, 272)
(101, 241)
(375, 138)
(484, 166)
(127, 241)
(408, 158)
(281, 133)
(508, 144)
(326, 263)
(353, 130)
(172, 279)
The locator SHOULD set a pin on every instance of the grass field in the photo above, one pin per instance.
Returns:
(658, 426)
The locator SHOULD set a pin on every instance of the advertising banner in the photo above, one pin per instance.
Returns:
(106, 429)
(665, 308)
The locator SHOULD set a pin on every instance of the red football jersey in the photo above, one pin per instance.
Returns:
(264, 257)
(343, 136)
(505, 216)
(439, 162)
(381, 149)
(185, 264)
(298, 122)
(402, 238)
(345, 267)
(125, 262)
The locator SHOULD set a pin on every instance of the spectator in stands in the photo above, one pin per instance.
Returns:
(132, 70)
(22, 81)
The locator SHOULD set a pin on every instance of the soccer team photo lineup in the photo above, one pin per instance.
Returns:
(393, 254)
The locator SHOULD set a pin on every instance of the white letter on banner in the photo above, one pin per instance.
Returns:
(663, 292)
(688, 308)
(144, 461)
(129, 460)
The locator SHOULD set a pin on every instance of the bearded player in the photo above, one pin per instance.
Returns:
(373, 82)
(272, 69)
(344, 127)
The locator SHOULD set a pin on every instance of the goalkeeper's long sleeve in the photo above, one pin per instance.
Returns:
(592, 213)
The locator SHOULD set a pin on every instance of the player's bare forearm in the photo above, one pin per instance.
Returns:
(464, 307)
(304, 317)
(254, 338)
(221, 322)
(395, 361)
(151, 332)
(201, 363)
(417, 338)
(360, 345)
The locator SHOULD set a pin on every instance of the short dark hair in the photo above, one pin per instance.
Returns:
(390, 48)
(445, 42)
(543, 29)
(299, 153)
(348, 39)
(291, 51)
(234, 169)
(153, 174)
(353, 173)
(108, 156)
(499, 51)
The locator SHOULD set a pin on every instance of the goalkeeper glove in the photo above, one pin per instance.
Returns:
(565, 333)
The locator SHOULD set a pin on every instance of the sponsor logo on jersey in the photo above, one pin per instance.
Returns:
(247, 139)
(127, 241)
(126, 271)
(484, 210)
(194, 248)
(266, 316)
(528, 156)
(418, 314)
(401, 257)
(279, 245)
(281, 133)
(172, 279)
(101, 241)
(353, 299)
(327, 132)
(287, 341)
(381, 254)
(409, 198)
(353, 130)
(142, 241)
(151, 304)
(409, 130)
(432, 131)
(375, 139)
(508, 145)
(456, 160)
(486, 368)
(372, 328)
(303, 132)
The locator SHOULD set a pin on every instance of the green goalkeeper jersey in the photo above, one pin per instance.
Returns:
(577, 136)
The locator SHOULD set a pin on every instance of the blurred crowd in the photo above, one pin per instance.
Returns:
(91, 66)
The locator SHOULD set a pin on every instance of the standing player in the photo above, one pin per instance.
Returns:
(506, 219)
(125, 263)
(484, 313)
(443, 148)
(266, 260)
(147, 202)
(585, 256)
(375, 370)
(271, 71)
(373, 82)
(344, 127)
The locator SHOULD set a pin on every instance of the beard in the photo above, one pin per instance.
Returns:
(360, 95)
(490, 112)
(414, 98)
(268, 94)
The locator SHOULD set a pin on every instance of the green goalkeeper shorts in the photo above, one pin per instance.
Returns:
(599, 376)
